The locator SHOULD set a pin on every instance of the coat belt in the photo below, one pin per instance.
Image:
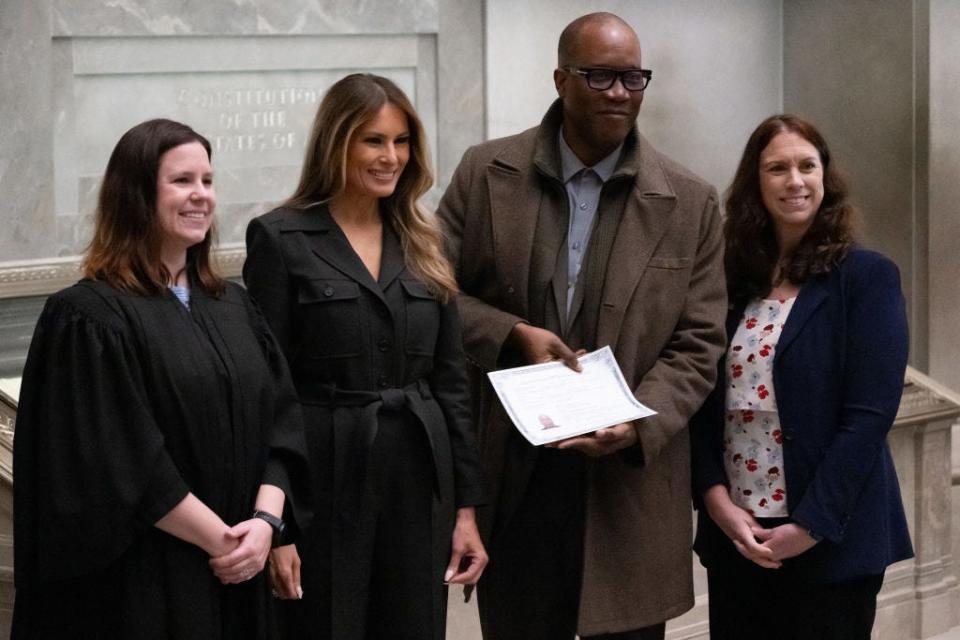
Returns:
(353, 435)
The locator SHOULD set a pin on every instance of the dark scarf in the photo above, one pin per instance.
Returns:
(548, 265)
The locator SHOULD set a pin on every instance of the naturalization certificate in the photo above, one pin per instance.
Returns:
(549, 402)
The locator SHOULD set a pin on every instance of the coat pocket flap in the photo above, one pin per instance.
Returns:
(658, 262)
(328, 290)
(417, 289)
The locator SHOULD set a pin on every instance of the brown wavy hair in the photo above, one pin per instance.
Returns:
(751, 245)
(351, 103)
(127, 236)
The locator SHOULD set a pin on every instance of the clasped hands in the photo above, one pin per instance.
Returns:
(245, 548)
(242, 552)
(541, 345)
(767, 548)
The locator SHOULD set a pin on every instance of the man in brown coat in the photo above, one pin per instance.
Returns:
(574, 235)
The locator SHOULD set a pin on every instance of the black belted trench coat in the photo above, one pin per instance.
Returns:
(357, 346)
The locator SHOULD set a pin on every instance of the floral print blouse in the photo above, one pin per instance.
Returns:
(752, 438)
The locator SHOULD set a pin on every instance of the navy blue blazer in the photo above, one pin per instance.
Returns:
(838, 376)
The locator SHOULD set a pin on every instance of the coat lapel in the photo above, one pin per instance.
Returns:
(391, 258)
(514, 206)
(646, 218)
(812, 294)
(328, 243)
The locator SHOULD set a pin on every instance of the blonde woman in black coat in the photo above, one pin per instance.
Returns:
(350, 275)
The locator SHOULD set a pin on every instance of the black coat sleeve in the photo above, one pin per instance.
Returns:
(287, 462)
(448, 381)
(267, 279)
(92, 472)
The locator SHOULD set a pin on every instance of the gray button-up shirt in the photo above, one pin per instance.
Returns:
(583, 186)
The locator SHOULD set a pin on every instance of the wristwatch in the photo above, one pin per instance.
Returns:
(277, 524)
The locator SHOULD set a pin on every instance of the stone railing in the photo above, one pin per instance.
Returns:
(8, 413)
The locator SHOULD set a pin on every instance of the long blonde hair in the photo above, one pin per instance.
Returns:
(349, 104)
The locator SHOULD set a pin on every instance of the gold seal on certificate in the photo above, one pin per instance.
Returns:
(549, 402)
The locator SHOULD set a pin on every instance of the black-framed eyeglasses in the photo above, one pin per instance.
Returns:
(600, 79)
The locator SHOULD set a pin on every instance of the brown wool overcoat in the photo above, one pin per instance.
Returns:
(662, 312)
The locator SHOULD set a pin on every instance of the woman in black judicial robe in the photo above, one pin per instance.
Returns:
(156, 415)
(351, 277)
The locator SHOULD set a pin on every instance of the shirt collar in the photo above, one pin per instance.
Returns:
(570, 164)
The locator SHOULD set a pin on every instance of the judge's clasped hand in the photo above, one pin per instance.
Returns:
(254, 537)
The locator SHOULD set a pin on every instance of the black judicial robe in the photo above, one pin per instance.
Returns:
(127, 403)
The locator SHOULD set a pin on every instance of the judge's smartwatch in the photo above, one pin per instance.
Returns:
(277, 524)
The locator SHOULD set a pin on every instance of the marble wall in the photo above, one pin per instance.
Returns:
(26, 123)
(853, 69)
(882, 81)
(247, 74)
(943, 148)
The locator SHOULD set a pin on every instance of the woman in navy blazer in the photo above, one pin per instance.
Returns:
(799, 505)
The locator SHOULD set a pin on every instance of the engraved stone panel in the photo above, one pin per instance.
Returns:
(246, 73)
(254, 98)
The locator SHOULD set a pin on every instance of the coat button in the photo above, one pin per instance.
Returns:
(510, 289)
(382, 382)
(328, 291)
(384, 344)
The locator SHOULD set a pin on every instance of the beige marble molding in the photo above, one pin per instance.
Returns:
(37, 277)
(43, 277)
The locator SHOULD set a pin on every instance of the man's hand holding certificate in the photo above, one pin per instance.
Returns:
(550, 402)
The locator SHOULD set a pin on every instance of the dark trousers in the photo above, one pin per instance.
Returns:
(393, 589)
(749, 601)
(531, 588)
(404, 583)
